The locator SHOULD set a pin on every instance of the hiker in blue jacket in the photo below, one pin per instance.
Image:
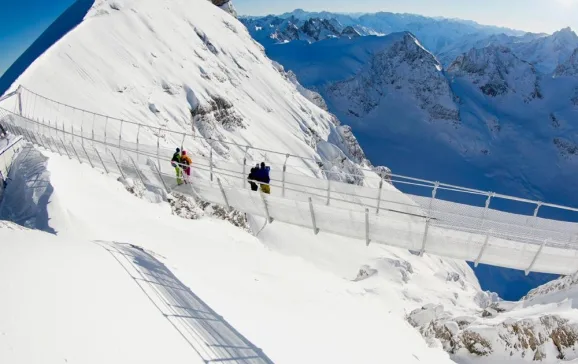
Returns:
(264, 178)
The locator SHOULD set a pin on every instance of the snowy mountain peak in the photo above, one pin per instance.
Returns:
(350, 32)
(568, 68)
(497, 71)
(404, 68)
(566, 34)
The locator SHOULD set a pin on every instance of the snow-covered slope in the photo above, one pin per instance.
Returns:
(182, 65)
(514, 132)
(497, 72)
(544, 51)
(299, 297)
(568, 68)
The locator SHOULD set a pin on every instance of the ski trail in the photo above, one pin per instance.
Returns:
(208, 333)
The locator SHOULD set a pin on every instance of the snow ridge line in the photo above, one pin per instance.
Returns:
(448, 229)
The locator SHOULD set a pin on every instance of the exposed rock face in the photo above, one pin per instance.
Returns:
(403, 68)
(498, 72)
(568, 68)
(532, 339)
(350, 32)
(226, 5)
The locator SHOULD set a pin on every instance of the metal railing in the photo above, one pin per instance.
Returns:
(372, 210)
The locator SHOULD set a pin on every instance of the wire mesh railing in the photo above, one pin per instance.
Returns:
(427, 221)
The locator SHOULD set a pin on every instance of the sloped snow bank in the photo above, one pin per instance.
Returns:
(291, 293)
(28, 191)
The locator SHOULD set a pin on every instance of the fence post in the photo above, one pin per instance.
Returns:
(367, 240)
(160, 176)
(137, 171)
(536, 257)
(159, 149)
(120, 134)
(118, 165)
(101, 161)
(66, 150)
(328, 191)
(284, 170)
(379, 196)
(315, 229)
(535, 217)
(479, 258)
(269, 218)
(87, 156)
(74, 150)
(20, 100)
(93, 120)
(224, 194)
(137, 141)
(105, 125)
(244, 180)
(433, 196)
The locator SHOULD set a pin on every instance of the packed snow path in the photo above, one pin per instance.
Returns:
(306, 194)
(208, 334)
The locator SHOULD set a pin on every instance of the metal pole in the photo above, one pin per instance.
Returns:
(20, 101)
(379, 196)
(101, 161)
(536, 257)
(74, 150)
(105, 125)
(137, 170)
(120, 133)
(535, 219)
(160, 176)
(159, 149)
(118, 165)
(93, 122)
(87, 156)
(479, 258)
(367, 240)
(64, 146)
(137, 141)
(269, 218)
(284, 170)
(433, 196)
(224, 194)
(315, 229)
(244, 180)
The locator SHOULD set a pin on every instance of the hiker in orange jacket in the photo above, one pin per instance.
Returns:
(186, 163)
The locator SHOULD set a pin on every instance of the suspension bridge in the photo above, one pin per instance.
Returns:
(363, 206)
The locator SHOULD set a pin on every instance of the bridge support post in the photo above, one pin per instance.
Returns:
(66, 150)
(367, 240)
(120, 134)
(224, 194)
(138, 142)
(160, 175)
(159, 149)
(479, 258)
(536, 257)
(101, 161)
(284, 170)
(20, 100)
(379, 196)
(433, 197)
(87, 156)
(118, 165)
(269, 219)
(244, 179)
(314, 223)
(77, 156)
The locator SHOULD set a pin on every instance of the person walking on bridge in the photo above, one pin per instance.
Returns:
(176, 163)
(3, 133)
(186, 164)
(264, 178)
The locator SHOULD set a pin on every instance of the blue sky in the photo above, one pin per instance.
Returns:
(21, 22)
